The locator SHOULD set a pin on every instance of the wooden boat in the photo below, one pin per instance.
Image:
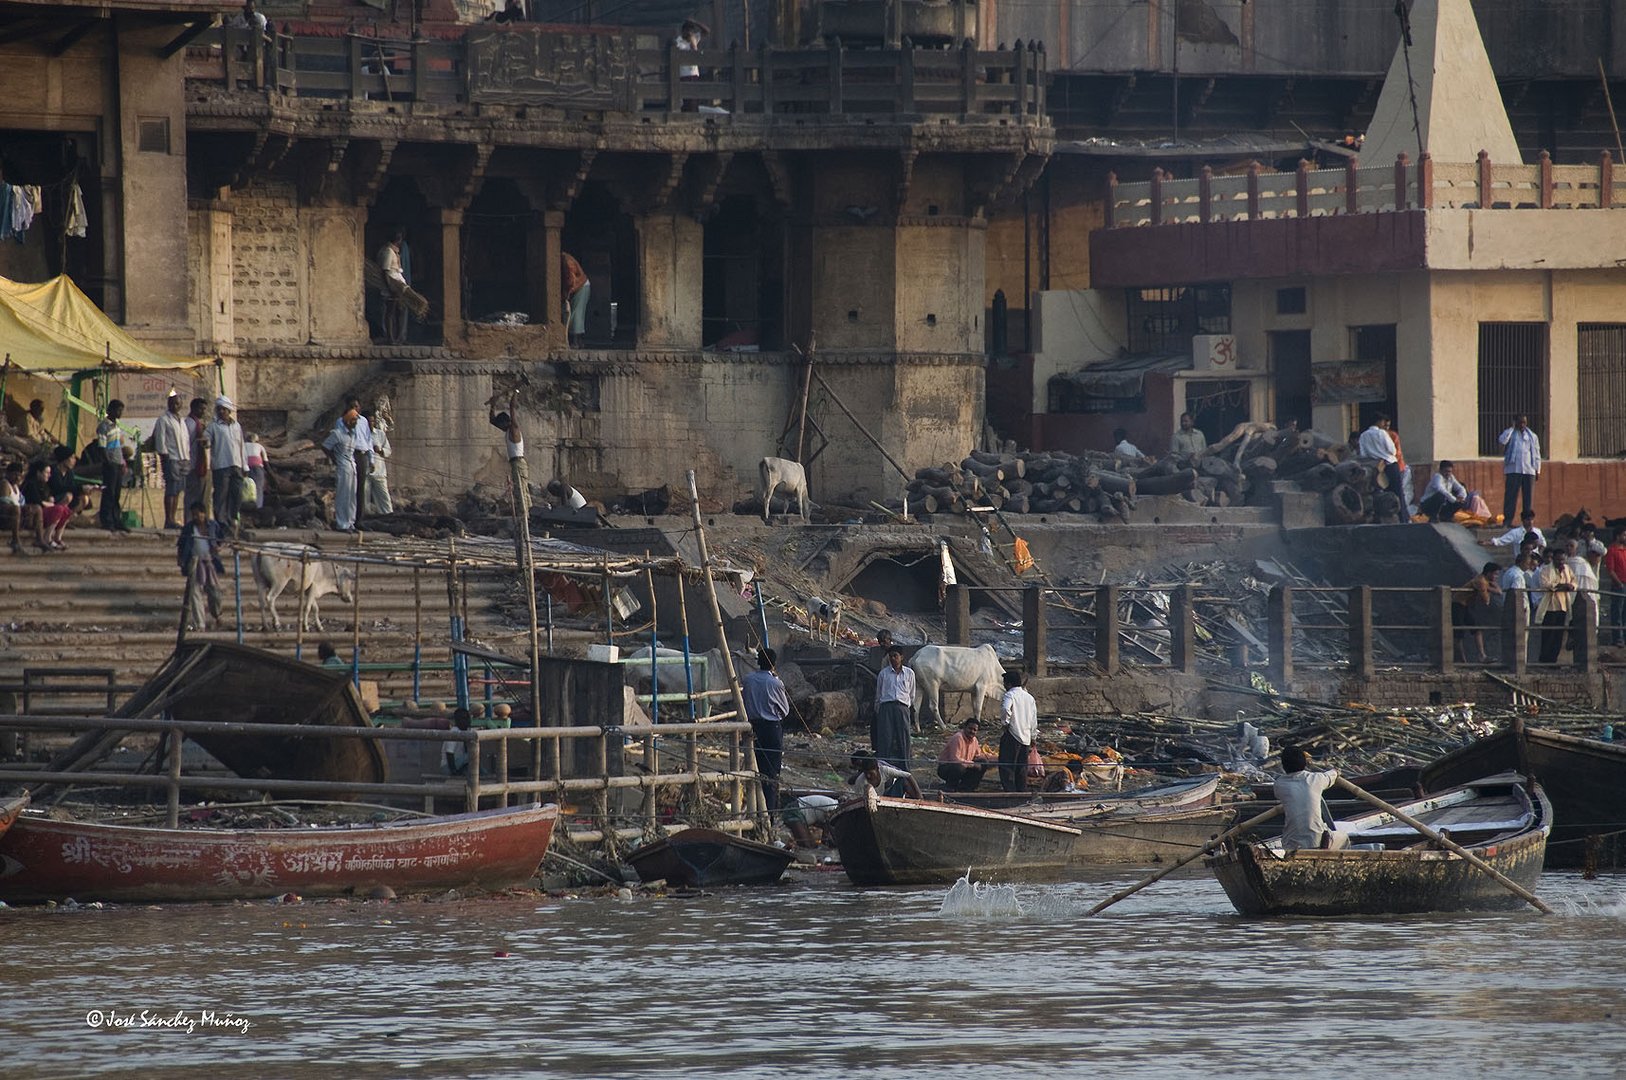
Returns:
(1584, 778)
(219, 680)
(1144, 838)
(704, 858)
(912, 842)
(43, 858)
(1390, 869)
(1181, 794)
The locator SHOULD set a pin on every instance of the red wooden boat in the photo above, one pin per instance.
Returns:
(45, 859)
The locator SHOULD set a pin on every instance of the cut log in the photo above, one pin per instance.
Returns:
(1166, 485)
(1345, 506)
(1320, 478)
(1112, 482)
(1360, 475)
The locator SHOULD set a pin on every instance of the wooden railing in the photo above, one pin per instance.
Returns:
(621, 71)
(1258, 194)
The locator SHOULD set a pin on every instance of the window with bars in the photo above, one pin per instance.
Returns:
(1512, 380)
(1600, 350)
(1164, 320)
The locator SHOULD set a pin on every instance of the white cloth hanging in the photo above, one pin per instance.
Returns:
(78, 221)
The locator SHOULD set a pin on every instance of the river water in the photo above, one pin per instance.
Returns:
(816, 979)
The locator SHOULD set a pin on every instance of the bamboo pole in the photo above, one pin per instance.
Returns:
(355, 621)
(691, 757)
(173, 812)
(1236, 830)
(862, 430)
(417, 635)
(299, 606)
(1447, 843)
(735, 741)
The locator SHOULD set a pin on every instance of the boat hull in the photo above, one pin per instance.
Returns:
(706, 858)
(910, 842)
(1148, 839)
(1584, 778)
(43, 859)
(1262, 879)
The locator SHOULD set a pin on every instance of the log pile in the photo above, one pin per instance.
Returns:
(1247, 465)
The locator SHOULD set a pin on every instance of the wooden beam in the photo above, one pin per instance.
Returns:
(193, 31)
(74, 36)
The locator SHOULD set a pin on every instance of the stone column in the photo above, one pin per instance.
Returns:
(543, 275)
(451, 273)
(669, 279)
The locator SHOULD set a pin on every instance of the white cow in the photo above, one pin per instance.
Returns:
(670, 675)
(278, 567)
(953, 667)
(776, 474)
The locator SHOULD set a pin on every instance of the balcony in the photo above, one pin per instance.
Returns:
(1411, 215)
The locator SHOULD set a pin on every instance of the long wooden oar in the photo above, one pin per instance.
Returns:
(1257, 819)
(1447, 843)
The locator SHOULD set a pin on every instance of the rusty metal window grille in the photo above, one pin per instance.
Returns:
(1164, 320)
(1601, 351)
(1512, 380)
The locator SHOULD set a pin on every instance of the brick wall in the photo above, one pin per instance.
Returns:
(268, 263)
(1562, 488)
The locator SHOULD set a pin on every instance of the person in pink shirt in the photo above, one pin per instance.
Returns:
(962, 763)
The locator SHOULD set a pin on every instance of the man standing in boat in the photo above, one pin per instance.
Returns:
(766, 706)
(1304, 825)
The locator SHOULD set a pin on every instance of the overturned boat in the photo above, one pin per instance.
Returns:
(44, 858)
(707, 858)
(886, 841)
(1390, 868)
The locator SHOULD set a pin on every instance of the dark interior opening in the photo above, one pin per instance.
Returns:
(602, 238)
(52, 161)
(742, 287)
(401, 203)
(495, 227)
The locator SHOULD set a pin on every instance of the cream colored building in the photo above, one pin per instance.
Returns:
(1451, 288)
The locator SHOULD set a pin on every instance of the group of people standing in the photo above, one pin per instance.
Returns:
(359, 449)
(887, 765)
(210, 466)
(1554, 576)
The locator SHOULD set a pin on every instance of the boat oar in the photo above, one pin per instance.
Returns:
(1447, 843)
(1257, 819)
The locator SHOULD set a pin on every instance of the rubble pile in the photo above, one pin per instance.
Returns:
(1254, 460)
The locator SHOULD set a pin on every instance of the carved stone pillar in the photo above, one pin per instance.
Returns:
(451, 273)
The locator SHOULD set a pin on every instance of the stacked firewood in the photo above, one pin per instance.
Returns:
(1245, 463)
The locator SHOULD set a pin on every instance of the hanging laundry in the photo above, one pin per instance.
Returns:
(22, 211)
(78, 221)
(36, 198)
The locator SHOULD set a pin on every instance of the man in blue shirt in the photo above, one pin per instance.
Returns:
(1521, 464)
(766, 706)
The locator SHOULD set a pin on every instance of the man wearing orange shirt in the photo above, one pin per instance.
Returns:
(962, 763)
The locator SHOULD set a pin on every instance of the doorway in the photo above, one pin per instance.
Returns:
(1290, 371)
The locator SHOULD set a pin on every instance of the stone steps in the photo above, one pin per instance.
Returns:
(114, 601)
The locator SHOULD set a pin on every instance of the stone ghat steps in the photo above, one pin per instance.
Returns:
(114, 601)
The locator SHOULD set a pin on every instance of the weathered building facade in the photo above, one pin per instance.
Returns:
(780, 200)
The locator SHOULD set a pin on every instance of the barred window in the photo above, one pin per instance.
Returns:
(1512, 380)
(1164, 320)
(1601, 352)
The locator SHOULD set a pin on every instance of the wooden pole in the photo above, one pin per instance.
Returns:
(417, 635)
(1236, 830)
(735, 742)
(186, 602)
(862, 430)
(519, 477)
(1447, 843)
(299, 607)
(1609, 100)
(355, 621)
(807, 387)
(691, 747)
(174, 810)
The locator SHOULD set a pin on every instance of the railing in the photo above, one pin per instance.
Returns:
(616, 70)
(1359, 630)
(472, 789)
(1259, 195)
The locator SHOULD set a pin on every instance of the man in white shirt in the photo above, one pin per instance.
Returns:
(227, 462)
(1300, 791)
(1583, 565)
(894, 704)
(1376, 444)
(1020, 715)
(377, 500)
(1515, 536)
(1521, 575)
(1521, 464)
(1444, 496)
(878, 775)
(1189, 441)
(173, 445)
(343, 447)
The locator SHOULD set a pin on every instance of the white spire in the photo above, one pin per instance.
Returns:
(1459, 109)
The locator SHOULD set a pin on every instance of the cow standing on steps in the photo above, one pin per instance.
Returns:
(281, 565)
(776, 474)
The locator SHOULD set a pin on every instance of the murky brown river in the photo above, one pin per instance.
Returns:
(816, 979)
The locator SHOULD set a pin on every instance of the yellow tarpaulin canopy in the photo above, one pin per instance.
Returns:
(53, 327)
